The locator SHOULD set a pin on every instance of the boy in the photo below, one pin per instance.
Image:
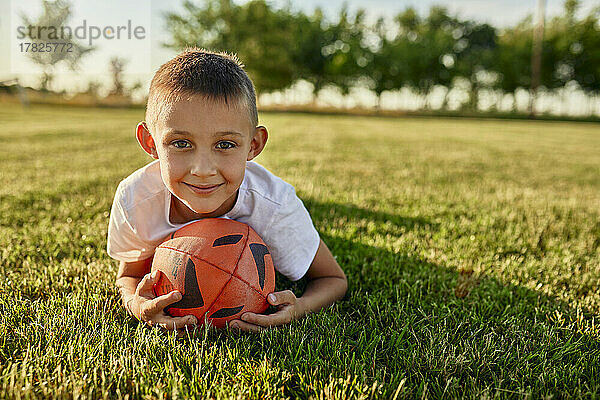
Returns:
(202, 130)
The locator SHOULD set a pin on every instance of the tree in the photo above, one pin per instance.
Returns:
(385, 69)
(475, 53)
(119, 87)
(513, 62)
(394, 62)
(586, 53)
(117, 65)
(421, 54)
(54, 16)
(265, 43)
(575, 45)
(307, 53)
(426, 49)
(280, 46)
(260, 36)
(345, 52)
(277, 46)
(570, 52)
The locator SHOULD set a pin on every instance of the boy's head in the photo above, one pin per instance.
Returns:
(216, 76)
(201, 124)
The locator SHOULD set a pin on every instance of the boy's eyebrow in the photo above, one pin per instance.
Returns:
(220, 133)
(228, 133)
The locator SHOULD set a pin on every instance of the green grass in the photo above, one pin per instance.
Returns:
(471, 248)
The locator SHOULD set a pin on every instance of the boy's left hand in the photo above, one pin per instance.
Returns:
(288, 308)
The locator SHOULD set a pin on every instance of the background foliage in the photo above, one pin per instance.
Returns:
(281, 45)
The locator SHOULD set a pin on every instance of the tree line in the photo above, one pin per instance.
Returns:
(280, 46)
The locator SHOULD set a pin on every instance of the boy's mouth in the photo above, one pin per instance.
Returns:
(202, 189)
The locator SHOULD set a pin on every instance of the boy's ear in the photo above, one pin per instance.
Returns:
(259, 140)
(145, 139)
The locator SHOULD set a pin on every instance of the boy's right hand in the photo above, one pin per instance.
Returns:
(146, 307)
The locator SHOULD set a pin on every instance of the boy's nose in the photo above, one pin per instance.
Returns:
(204, 166)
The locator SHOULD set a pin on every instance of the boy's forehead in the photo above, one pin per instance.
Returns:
(199, 114)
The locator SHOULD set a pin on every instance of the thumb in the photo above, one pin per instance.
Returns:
(272, 299)
(147, 283)
(285, 297)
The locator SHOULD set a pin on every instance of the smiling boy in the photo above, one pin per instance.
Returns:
(202, 130)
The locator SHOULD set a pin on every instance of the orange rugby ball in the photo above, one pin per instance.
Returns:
(222, 268)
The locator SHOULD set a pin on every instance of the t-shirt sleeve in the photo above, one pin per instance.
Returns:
(123, 244)
(294, 239)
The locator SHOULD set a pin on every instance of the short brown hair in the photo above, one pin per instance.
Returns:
(218, 76)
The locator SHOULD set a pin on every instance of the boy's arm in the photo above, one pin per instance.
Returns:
(326, 284)
(135, 283)
(129, 276)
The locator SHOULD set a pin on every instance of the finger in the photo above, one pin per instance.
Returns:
(281, 317)
(285, 297)
(172, 323)
(149, 308)
(244, 326)
(159, 303)
(146, 283)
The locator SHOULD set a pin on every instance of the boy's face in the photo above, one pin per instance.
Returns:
(202, 146)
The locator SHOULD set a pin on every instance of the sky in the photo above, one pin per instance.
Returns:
(144, 54)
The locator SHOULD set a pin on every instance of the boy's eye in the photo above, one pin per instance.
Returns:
(225, 145)
(180, 144)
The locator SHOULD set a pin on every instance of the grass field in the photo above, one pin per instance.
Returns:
(472, 249)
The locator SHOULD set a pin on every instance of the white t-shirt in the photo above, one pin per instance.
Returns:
(139, 219)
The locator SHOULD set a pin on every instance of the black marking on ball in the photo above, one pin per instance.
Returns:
(226, 312)
(192, 298)
(259, 251)
(173, 235)
(229, 239)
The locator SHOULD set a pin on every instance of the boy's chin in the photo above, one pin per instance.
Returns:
(191, 208)
(201, 211)
(190, 211)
